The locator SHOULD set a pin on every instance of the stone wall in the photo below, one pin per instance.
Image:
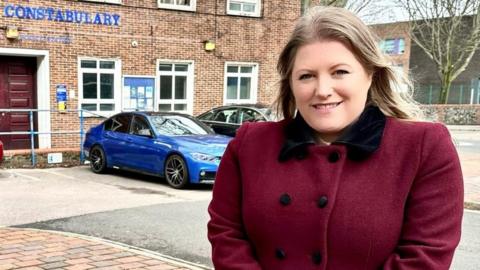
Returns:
(452, 114)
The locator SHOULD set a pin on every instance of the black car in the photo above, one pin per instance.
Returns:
(227, 119)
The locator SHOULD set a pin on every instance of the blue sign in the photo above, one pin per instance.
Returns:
(61, 93)
(60, 15)
(138, 93)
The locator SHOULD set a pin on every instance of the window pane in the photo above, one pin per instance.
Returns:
(89, 85)
(245, 86)
(106, 85)
(235, 7)
(183, 2)
(164, 107)
(246, 69)
(249, 7)
(165, 67)
(121, 123)
(180, 107)
(233, 69)
(89, 107)
(166, 1)
(107, 64)
(108, 124)
(232, 87)
(165, 87)
(88, 64)
(401, 45)
(180, 87)
(107, 107)
(181, 67)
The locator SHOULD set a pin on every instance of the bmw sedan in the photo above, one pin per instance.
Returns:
(171, 145)
(227, 119)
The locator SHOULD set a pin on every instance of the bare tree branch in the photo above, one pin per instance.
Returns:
(448, 31)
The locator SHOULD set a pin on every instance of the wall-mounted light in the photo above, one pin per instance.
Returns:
(11, 32)
(134, 43)
(209, 45)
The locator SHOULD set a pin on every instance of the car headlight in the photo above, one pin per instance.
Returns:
(205, 157)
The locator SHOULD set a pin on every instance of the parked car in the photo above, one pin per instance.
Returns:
(1, 152)
(227, 119)
(171, 145)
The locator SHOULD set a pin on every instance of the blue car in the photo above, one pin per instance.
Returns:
(171, 145)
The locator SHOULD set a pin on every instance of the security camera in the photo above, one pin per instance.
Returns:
(134, 43)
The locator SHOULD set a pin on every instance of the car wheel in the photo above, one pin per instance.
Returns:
(98, 162)
(176, 172)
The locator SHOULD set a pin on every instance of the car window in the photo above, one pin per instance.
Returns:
(207, 116)
(140, 127)
(227, 116)
(119, 123)
(177, 125)
(249, 115)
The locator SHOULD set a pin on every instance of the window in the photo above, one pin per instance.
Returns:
(240, 83)
(106, 1)
(249, 115)
(176, 87)
(393, 46)
(244, 7)
(98, 83)
(120, 123)
(189, 5)
(140, 127)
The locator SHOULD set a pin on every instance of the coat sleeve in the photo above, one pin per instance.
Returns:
(231, 248)
(434, 208)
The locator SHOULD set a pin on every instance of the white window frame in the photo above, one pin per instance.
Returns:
(190, 84)
(106, 1)
(256, 13)
(117, 86)
(191, 7)
(254, 82)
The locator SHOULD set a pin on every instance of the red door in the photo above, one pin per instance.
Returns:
(17, 91)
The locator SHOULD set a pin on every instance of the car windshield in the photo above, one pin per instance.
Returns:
(175, 125)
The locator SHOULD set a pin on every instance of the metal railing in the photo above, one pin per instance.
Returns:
(459, 93)
(31, 132)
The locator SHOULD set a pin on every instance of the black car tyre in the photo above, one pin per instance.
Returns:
(176, 172)
(98, 162)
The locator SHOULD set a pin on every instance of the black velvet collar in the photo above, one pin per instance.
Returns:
(361, 138)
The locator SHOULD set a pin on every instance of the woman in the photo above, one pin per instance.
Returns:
(348, 180)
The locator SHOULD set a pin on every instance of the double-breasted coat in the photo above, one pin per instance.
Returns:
(387, 195)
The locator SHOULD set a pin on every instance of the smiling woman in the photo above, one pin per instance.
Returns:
(349, 179)
(330, 87)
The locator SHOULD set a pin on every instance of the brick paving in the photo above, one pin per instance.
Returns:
(27, 249)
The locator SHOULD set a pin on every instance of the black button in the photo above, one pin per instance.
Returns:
(322, 201)
(285, 199)
(280, 254)
(317, 258)
(333, 157)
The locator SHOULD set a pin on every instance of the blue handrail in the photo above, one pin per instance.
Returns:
(32, 132)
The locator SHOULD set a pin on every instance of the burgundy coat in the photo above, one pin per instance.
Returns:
(387, 195)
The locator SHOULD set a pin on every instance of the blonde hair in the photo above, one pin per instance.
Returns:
(331, 23)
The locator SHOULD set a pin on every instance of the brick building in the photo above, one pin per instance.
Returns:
(106, 56)
(395, 42)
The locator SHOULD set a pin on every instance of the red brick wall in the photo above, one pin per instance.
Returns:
(161, 34)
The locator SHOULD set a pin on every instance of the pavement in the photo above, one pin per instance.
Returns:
(31, 249)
